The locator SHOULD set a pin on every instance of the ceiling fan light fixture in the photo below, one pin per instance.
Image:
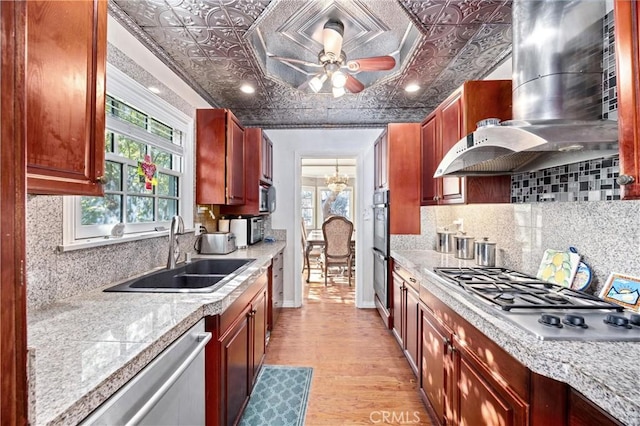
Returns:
(338, 91)
(317, 82)
(338, 79)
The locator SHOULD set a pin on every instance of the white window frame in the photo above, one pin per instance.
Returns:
(314, 204)
(122, 87)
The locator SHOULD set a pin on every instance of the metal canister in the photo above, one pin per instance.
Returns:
(445, 243)
(485, 252)
(464, 246)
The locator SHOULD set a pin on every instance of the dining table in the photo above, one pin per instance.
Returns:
(315, 239)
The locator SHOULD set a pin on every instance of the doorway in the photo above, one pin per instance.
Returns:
(327, 188)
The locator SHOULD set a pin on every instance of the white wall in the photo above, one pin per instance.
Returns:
(289, 147)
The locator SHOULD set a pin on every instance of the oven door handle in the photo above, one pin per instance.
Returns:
(379, 255)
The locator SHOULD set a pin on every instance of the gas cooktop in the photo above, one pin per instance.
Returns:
(549, 311)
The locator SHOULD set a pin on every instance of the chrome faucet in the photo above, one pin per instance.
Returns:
(177, 228)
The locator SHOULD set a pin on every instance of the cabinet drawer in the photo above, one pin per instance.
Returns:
(406, 276)
(229, 316)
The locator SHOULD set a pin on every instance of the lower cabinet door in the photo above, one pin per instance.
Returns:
(433, 374)
(236, 365)
(479, 401)
(398, 311)
(412, 326)
(259, 315)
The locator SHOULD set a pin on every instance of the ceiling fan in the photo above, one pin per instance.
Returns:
(333, 61)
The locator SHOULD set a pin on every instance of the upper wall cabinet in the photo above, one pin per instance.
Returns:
(254, 172)
(627, 34)
(66, 45)
(266, 159)
(220, 158)
(397, 168)
(451, 121)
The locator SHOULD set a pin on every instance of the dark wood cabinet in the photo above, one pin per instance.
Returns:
(234, 345)
(266, 160)
(435, 367)
(627, 34)
(233, 359)
(478, 398)
(65, 55)
(253, 148)
(220, 158)
(445, 126)
(583, 412)
(276, 291)
(406, 311)
(397, 168)
(464, 377)
(258, 329)
(430, 153)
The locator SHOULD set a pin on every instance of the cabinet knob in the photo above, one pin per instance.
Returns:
(625, 179)
(101, 180)
(436, 198)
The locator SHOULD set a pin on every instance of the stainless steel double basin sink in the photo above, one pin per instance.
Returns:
(199, 276)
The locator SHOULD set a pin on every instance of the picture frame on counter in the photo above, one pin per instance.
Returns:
(623, 290)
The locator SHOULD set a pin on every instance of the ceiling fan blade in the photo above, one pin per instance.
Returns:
(375, 63)
(353, 85)
(332, 34)
(296, 61)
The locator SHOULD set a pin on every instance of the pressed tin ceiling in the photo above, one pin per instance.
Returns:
(217, 45)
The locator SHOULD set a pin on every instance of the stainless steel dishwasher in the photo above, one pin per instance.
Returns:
(168, 391)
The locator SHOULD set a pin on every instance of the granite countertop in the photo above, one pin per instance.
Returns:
(605, 372)
(84, 348)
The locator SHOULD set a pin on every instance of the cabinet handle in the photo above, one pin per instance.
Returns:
(625, 180)
(447, 345)
(413, 280)
(101, 180)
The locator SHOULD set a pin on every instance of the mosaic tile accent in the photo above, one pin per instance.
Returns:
(593, 180)
(609, 86)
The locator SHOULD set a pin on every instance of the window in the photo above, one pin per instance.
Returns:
(142, 133)
(336, 204)
(308, 198)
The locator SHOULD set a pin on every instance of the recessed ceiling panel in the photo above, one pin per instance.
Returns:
(217, 45)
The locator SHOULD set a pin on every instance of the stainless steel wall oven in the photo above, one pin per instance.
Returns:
(381, 246)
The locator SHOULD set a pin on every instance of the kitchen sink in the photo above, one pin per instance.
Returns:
(215, 266)
(200, 276)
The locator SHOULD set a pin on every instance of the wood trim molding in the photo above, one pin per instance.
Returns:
(13, 323)
(627, 41)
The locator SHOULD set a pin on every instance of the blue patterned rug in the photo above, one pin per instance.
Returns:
(279, 397)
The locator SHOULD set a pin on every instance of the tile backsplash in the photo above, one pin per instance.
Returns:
(593, 180)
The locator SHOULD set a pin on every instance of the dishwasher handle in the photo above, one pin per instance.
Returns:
(151, 402)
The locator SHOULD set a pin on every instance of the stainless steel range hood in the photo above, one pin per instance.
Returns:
(557, 96)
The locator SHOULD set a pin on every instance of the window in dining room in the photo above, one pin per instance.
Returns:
(333, 204)
(308, 206)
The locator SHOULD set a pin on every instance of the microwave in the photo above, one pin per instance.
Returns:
(264, 199)
(255, 229)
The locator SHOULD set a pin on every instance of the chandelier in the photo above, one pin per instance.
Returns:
(337, 183)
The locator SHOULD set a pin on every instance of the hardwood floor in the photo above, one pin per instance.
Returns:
(360, 375)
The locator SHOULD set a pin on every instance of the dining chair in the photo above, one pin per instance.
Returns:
(337, 231)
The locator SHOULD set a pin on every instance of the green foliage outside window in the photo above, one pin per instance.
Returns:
(126, 198)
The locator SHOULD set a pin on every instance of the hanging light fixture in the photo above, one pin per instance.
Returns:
(337, 183)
